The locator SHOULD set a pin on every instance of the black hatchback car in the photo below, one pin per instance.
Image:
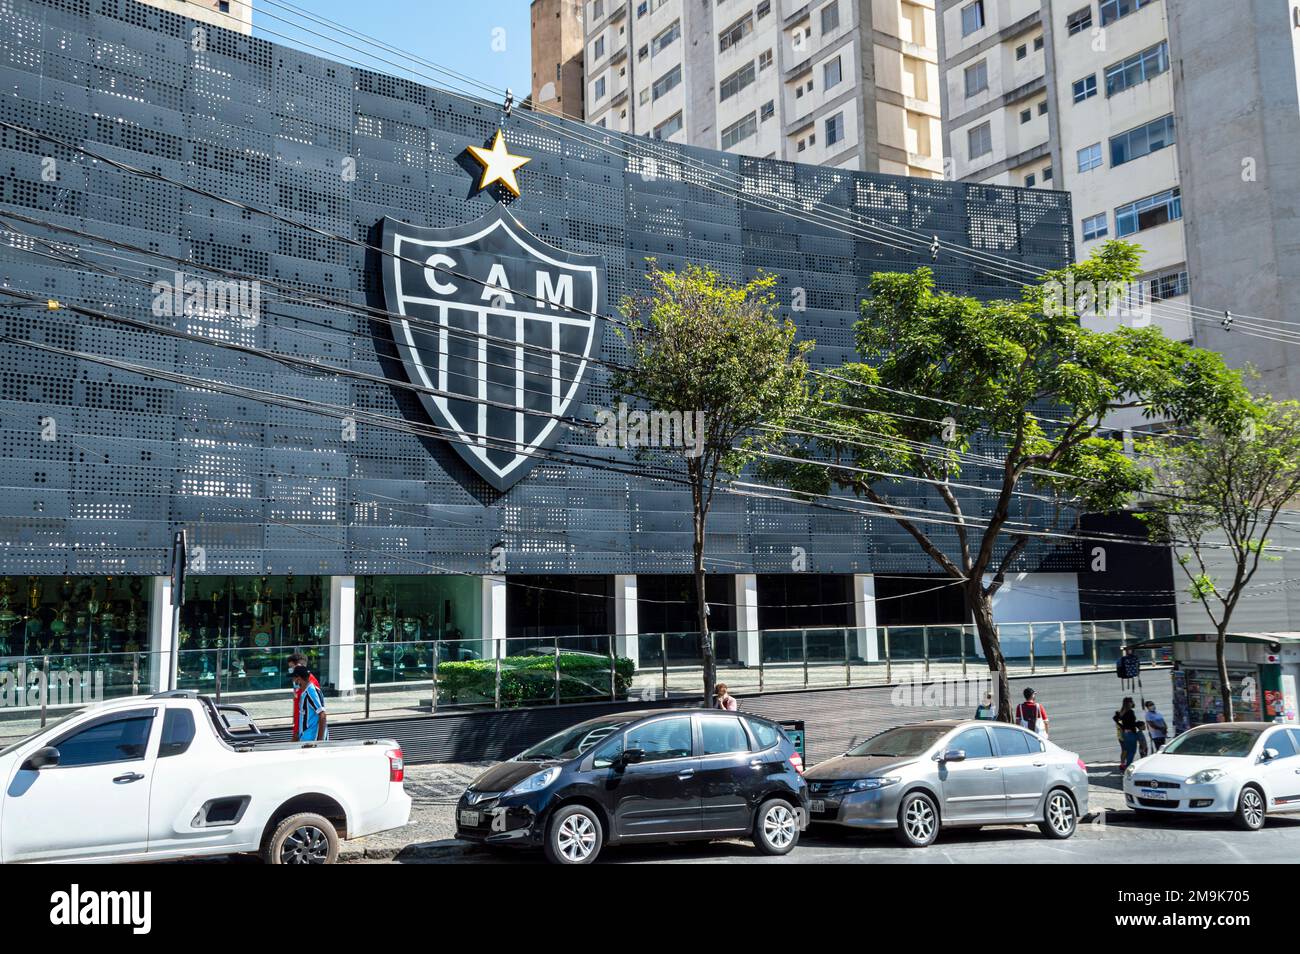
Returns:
(642, 777)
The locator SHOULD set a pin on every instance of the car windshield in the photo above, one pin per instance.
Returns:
(1227, 743)
(908, 740)
(27, 738)
(572, 742)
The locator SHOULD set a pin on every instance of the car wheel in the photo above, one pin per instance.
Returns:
(302, 839)
(575, 836)
(776, 827)
(918, 821)
(1250, 809)
(1060, 820)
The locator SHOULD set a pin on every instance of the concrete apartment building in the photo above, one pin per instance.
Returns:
(558, 41)
(1075, 95)
(846, 83)
(234, 15)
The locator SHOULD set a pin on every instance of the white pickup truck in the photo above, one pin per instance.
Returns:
(174, 775)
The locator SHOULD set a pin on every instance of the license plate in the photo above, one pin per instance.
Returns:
(817, 805)
(471, 819)
(1154, 793)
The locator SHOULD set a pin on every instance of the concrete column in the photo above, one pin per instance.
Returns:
(493, 616)
(748, 645)
(864, 616)
(625, 617)
(162, 662)
(343, 633)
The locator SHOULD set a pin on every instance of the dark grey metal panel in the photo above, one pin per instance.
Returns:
(265, 488)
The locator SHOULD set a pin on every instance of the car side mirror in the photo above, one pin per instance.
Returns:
(953, 755)
(1271, 754)
(45, 757)
(630, 757)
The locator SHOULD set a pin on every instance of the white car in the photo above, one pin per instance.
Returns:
(1245, 770)
(174, 775)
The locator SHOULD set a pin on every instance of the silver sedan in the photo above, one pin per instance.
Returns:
(917, 778)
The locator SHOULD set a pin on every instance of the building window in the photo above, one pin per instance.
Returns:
(1047, 173)
(1146, 65)
(1112, 10)
(736, 32)
(1038, 43)
(1042, 108)
(1145, 139)
(597, 9)
(802, 146)
(979, 141)
(1029, 181)
(642, 8)
(977, 78)
(598, 48)
(832, 73)
(1026, 115)
(1078, 21)
(669, 126)
(600, 87)
(738, 132)
(1085, 88)
(1094, 227)
(765, 59)
(764, 9)
(767, 110)
(1022, 51)
(644, 96)
(834, 129)
(830, 16)
(1090, 157)
(642, 53)
(1149, 212)
(972, 17)
(666, 38)
(737, 81)
(1169, 285)
(666, 82)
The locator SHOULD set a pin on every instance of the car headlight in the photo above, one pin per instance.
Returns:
(1203, 778)
(1128, 772)
(535, 782)
(871, 784)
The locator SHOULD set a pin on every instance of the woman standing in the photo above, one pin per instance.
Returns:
(1126, 721)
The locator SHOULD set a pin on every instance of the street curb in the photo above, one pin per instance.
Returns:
(446, 848)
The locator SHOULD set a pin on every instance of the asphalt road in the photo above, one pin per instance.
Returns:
(1121, 837)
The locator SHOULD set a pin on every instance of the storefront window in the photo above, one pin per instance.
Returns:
(398, 618)
(244, 628)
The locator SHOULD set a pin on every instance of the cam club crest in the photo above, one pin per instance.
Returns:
(500, 327)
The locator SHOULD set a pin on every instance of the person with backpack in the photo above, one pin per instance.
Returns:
(1031, 715)
(986, 710)
(311, 720)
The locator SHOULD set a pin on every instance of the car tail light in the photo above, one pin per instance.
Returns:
(1083, 768)
(396, 766)
(797, 761)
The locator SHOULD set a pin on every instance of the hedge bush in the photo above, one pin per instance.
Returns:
(530, 680)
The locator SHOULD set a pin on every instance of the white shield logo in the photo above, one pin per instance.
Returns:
(500, 328)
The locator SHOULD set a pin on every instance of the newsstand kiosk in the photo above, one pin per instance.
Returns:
(1263, 672)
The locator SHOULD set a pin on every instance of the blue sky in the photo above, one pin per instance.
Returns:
(485, 39)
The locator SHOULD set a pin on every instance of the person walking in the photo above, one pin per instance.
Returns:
(311, 721)
(1126, 723)
(1156, 726)
(722, 699)
(296, 660)
(1031, 715)
(985, 709)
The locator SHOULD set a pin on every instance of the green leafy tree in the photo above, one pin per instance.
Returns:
(1224, 489)
(1004, 401)
(716, 353)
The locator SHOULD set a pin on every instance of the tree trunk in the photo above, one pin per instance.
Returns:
(702, 607)
(1225, 687)
(981, 608)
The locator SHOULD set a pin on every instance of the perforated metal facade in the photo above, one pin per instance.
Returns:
(267, 489)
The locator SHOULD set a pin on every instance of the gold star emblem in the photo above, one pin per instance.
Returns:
(499, 165)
